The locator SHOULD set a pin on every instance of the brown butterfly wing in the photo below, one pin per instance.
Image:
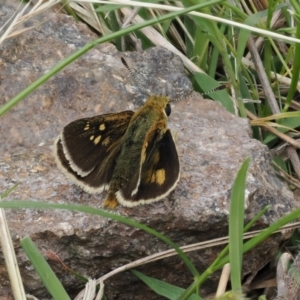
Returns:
(87, 149)
(159, 172)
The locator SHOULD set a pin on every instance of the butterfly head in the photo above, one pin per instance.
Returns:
(160, 103)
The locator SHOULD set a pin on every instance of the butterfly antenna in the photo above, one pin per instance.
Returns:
(138, 81)
(124, 62)
(219, 88)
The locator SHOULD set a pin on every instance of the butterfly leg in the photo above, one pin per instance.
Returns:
(111, 201)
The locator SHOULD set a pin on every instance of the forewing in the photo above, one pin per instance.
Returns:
(159, 172)
(87, 149)
(86, 142)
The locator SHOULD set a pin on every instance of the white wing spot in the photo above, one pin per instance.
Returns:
(87, 126)
(97, 139)
(102, 127)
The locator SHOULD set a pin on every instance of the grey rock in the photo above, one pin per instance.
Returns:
(212, 144)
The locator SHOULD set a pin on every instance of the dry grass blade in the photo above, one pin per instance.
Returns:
(10, 259)
(287, 177)
(169, 8)
(101, 290)
(278, 77)
(262, 123)
(13, 24)
(20, 18)
(278, 116)
(263, 77)
(223, 280)
(260, 40)
(87, 13)
(281, 135)
(126, 23)
(31, 297)
(157, 39)
(90, 290)
(129, 18)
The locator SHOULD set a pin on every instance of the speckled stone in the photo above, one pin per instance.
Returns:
(212, 144)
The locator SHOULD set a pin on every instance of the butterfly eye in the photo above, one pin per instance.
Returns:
(168, 109)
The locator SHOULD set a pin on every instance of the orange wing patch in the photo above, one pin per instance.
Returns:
(159, 177)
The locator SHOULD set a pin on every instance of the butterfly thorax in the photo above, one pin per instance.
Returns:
(156, 102)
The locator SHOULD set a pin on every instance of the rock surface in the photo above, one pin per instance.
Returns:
(211, 144)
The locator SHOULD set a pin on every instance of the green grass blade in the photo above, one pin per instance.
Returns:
(224, 252)
(109, 7)
(296, 70)
(265, 234)
(252, 20)
(46, 274)
(103, 213)
(246, 247)
(236, 225)
(257, 217)
(290, 122)
(162, 288)
(7, 192)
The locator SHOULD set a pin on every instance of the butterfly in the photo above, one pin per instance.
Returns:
(130, 154)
